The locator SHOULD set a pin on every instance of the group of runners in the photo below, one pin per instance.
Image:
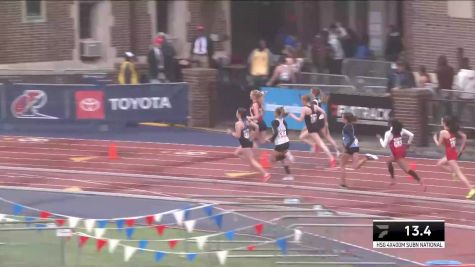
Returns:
(250, 129)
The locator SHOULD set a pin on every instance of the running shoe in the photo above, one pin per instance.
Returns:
(344, 186)
(371, 157)
(471, 194)
(266, 178)
(290, 156)
(288, 178)
(333, 163)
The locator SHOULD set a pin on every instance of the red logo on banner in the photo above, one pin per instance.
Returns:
(90, 105)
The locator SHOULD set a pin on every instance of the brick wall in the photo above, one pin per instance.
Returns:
(142, 32)
(21, 42)
(120, 31)
(430, 32)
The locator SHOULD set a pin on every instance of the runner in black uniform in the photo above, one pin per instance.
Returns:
(310, 113)
(256, 112)
(281, 142)
(242, 131)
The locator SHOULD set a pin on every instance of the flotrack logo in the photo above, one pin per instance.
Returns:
(140, 103)
(365, 115)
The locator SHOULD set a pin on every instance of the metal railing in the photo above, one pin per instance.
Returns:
(370, 68)
(322, 78)
(448, 102)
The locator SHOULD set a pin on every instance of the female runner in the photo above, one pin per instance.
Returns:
(393, 138)
(310, 114)
(242, 131)
(257, 116)
(448, 138)
(281, 142)
(352, 147)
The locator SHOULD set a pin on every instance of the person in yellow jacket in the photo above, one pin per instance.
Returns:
(127, 71)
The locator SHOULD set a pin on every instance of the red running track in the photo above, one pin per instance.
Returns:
(201, 170)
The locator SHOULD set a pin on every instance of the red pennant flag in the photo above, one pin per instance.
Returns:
(60, 222)
(259, 229)
(149, 219)
(130, 222)
(172, 243)
(251, 247)
(161, 229)
(100, 243)
(44, 214)
(83, 240)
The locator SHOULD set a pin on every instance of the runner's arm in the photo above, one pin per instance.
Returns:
(255, 110)
(387, 137)
(275, 125)
(463, 136)
(237, 130)
(299, 119)
(409, 134)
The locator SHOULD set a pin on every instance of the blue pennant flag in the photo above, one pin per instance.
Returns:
(120, 224)
(40, 226)
(218, 219)
(230, 235)
(102, 223)
(28, 221)
(191, 256)
(159, 256)
(129, 232)
(282, 243)
(208, 210)
(143, 244)
(17, 209)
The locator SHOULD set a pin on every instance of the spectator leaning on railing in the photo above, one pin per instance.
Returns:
(127, 71)
(401, 77)
(284, 73)
(465, 83)
(260, 61)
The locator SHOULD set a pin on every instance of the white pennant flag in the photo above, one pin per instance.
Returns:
(179, 214)
(99, 232)
(2, 216)
(73, 221)
(129, 252)
(112, 244)
(201, 241)
(89, 224)
(222, 255)
(158, 217)
(190, 225)
(297, 235)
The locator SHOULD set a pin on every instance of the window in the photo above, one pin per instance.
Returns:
(460, 9)
(34, 10)
(86, 13)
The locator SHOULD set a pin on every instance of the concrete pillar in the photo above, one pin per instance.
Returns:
(352, 14)
(327, 13)
(203, 96)
(376, 26)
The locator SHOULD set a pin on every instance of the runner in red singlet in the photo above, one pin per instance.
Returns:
(256, 112)
(448, 139)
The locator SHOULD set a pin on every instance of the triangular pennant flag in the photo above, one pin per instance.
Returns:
(159, 256)
(129, 252)
(179, 215)
(83, 240)
(130, 222)
(59, 222)
(160, 229)
(190, 225)
(102, 223)
(218, 219)
(2, 216)
(89, 224)
(73, 221)
(100, 243)
(143, 244)
(282, 243)
(17, 209)
(99, 232)
(112, 244)
(149, 220)
(158, 217)
(120, 224)
(297, 235)
(201, 241)
(230, 235)
(40, 226)
(172, 243)
(259, 228)
(44, 214)
(222, 256)
(208, 210)
(251, 248)
(129, 232)
(191, 256)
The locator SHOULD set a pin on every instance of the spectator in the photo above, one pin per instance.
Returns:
(445, 77)
(347, 40)
(337, 51)
(170, 62)
(284, 73)
(363, 51)
(465, 83)
(202, 50)
(127, 71)
(260, 61)
(393, 44)
(401, 77)
(156, 61)
(424, 78)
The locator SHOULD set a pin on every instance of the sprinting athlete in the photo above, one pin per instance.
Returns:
(394, 138)
(281, 142)
(352, 147)
(310, 114)
(448, 139)
(242, 131)
(256, 112)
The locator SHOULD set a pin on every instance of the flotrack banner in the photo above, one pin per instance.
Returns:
(148, 102)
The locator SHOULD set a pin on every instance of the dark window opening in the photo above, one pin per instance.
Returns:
(33, 8)
(162, 16)
(85, 20)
